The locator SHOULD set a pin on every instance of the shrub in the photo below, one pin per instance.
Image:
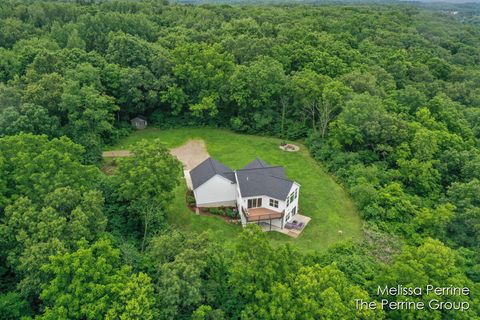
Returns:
(216, 211)
(190, 200)
(231, 213)
(121, 130)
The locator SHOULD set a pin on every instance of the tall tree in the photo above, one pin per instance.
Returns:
(35, 166)
(334, 97)
(91, 283)
(145, 181)
(32, 233)
(179, 261)
(28, 118)
(90, 115)
(308, 87)
(432, 263)
(312, 293)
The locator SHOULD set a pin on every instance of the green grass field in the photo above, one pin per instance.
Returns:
(321, 198)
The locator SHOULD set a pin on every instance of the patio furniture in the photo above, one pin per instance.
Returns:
(299, 226)
(289, 225)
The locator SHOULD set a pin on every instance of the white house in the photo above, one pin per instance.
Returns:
(213, 184)
(261, 192)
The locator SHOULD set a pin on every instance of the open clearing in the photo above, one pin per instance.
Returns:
(321, 198)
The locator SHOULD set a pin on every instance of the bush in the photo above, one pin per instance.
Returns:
(13, 306)
(231, 213)
(216, 211)
(122, 129)
(190, 200)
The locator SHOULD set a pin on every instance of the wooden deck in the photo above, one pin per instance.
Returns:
(258, 214)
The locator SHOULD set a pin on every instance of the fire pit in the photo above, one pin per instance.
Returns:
(289, 147)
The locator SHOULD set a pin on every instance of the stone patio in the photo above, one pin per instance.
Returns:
(289, 232)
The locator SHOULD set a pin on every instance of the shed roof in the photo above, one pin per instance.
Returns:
(139, 118)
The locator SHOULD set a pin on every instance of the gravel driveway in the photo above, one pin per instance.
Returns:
(191, 154)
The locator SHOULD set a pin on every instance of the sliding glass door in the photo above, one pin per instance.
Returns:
(254, 203)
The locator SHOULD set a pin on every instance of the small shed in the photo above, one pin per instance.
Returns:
(139, 122)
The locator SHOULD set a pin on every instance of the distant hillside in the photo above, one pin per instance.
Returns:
(444, 1)
(330, 1)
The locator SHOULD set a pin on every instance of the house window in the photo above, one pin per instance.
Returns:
(296, 193)
(291, 213)
(254, 203)
(290, 199)
(274, 203)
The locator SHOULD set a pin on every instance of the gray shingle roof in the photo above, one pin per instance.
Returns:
(269, 181)
(259, 178)
(207, 169)
(257, 163)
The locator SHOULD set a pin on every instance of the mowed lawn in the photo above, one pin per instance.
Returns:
(334, 216)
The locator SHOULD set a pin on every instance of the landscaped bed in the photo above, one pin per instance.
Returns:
(323, 200)
(228, 214)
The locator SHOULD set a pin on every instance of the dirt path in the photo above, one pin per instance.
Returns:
(116, 154)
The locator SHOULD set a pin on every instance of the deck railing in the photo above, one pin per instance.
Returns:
(263, 217)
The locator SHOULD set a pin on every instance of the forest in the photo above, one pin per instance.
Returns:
(386, 97)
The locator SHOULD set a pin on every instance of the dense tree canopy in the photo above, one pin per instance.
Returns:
(387, 97)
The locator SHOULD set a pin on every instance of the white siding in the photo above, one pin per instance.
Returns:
(219, 191)
(266, 203)
(282, 205)
(216, 192)
(294, 203)
(240, 203)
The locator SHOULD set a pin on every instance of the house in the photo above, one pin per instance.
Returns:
(213, 184)
(262, 193)
(139, 122)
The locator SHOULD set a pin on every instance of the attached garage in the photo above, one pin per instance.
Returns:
(213, 184)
